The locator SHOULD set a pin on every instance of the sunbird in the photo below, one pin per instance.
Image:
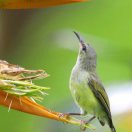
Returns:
(87, 90)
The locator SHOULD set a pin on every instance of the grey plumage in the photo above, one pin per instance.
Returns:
(86, 88)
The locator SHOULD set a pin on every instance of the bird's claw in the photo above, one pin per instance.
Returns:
(64, 115)
(83, 125)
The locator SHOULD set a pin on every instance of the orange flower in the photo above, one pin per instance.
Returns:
(24, 104)
(23, 4)
(18, 92)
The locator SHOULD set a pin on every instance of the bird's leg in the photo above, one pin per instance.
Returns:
(75, 114)
(90, 119)
(69, 114)
(82, 113)
(86, 122)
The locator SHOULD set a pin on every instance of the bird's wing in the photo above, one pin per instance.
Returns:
(100, 93)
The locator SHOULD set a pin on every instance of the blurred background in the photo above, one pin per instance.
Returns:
(44, 39)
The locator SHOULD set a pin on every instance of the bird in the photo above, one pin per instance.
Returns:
(87, 89)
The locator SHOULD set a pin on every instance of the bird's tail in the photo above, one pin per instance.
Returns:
(113, 129)
(112, 126)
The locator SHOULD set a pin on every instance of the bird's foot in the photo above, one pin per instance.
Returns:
(64, 115)
(83, 123)
(82, 126)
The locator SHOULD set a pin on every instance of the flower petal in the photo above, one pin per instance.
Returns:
(23, 4)
(24, 104)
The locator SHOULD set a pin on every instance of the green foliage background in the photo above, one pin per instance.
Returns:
(28, 39)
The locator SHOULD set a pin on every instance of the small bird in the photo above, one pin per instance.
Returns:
(86, 88)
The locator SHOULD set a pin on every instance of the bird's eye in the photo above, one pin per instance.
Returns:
(84, 48)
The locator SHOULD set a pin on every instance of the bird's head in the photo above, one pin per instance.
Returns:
(87, 55)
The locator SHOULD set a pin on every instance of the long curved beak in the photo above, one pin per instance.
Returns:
(80, 39)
